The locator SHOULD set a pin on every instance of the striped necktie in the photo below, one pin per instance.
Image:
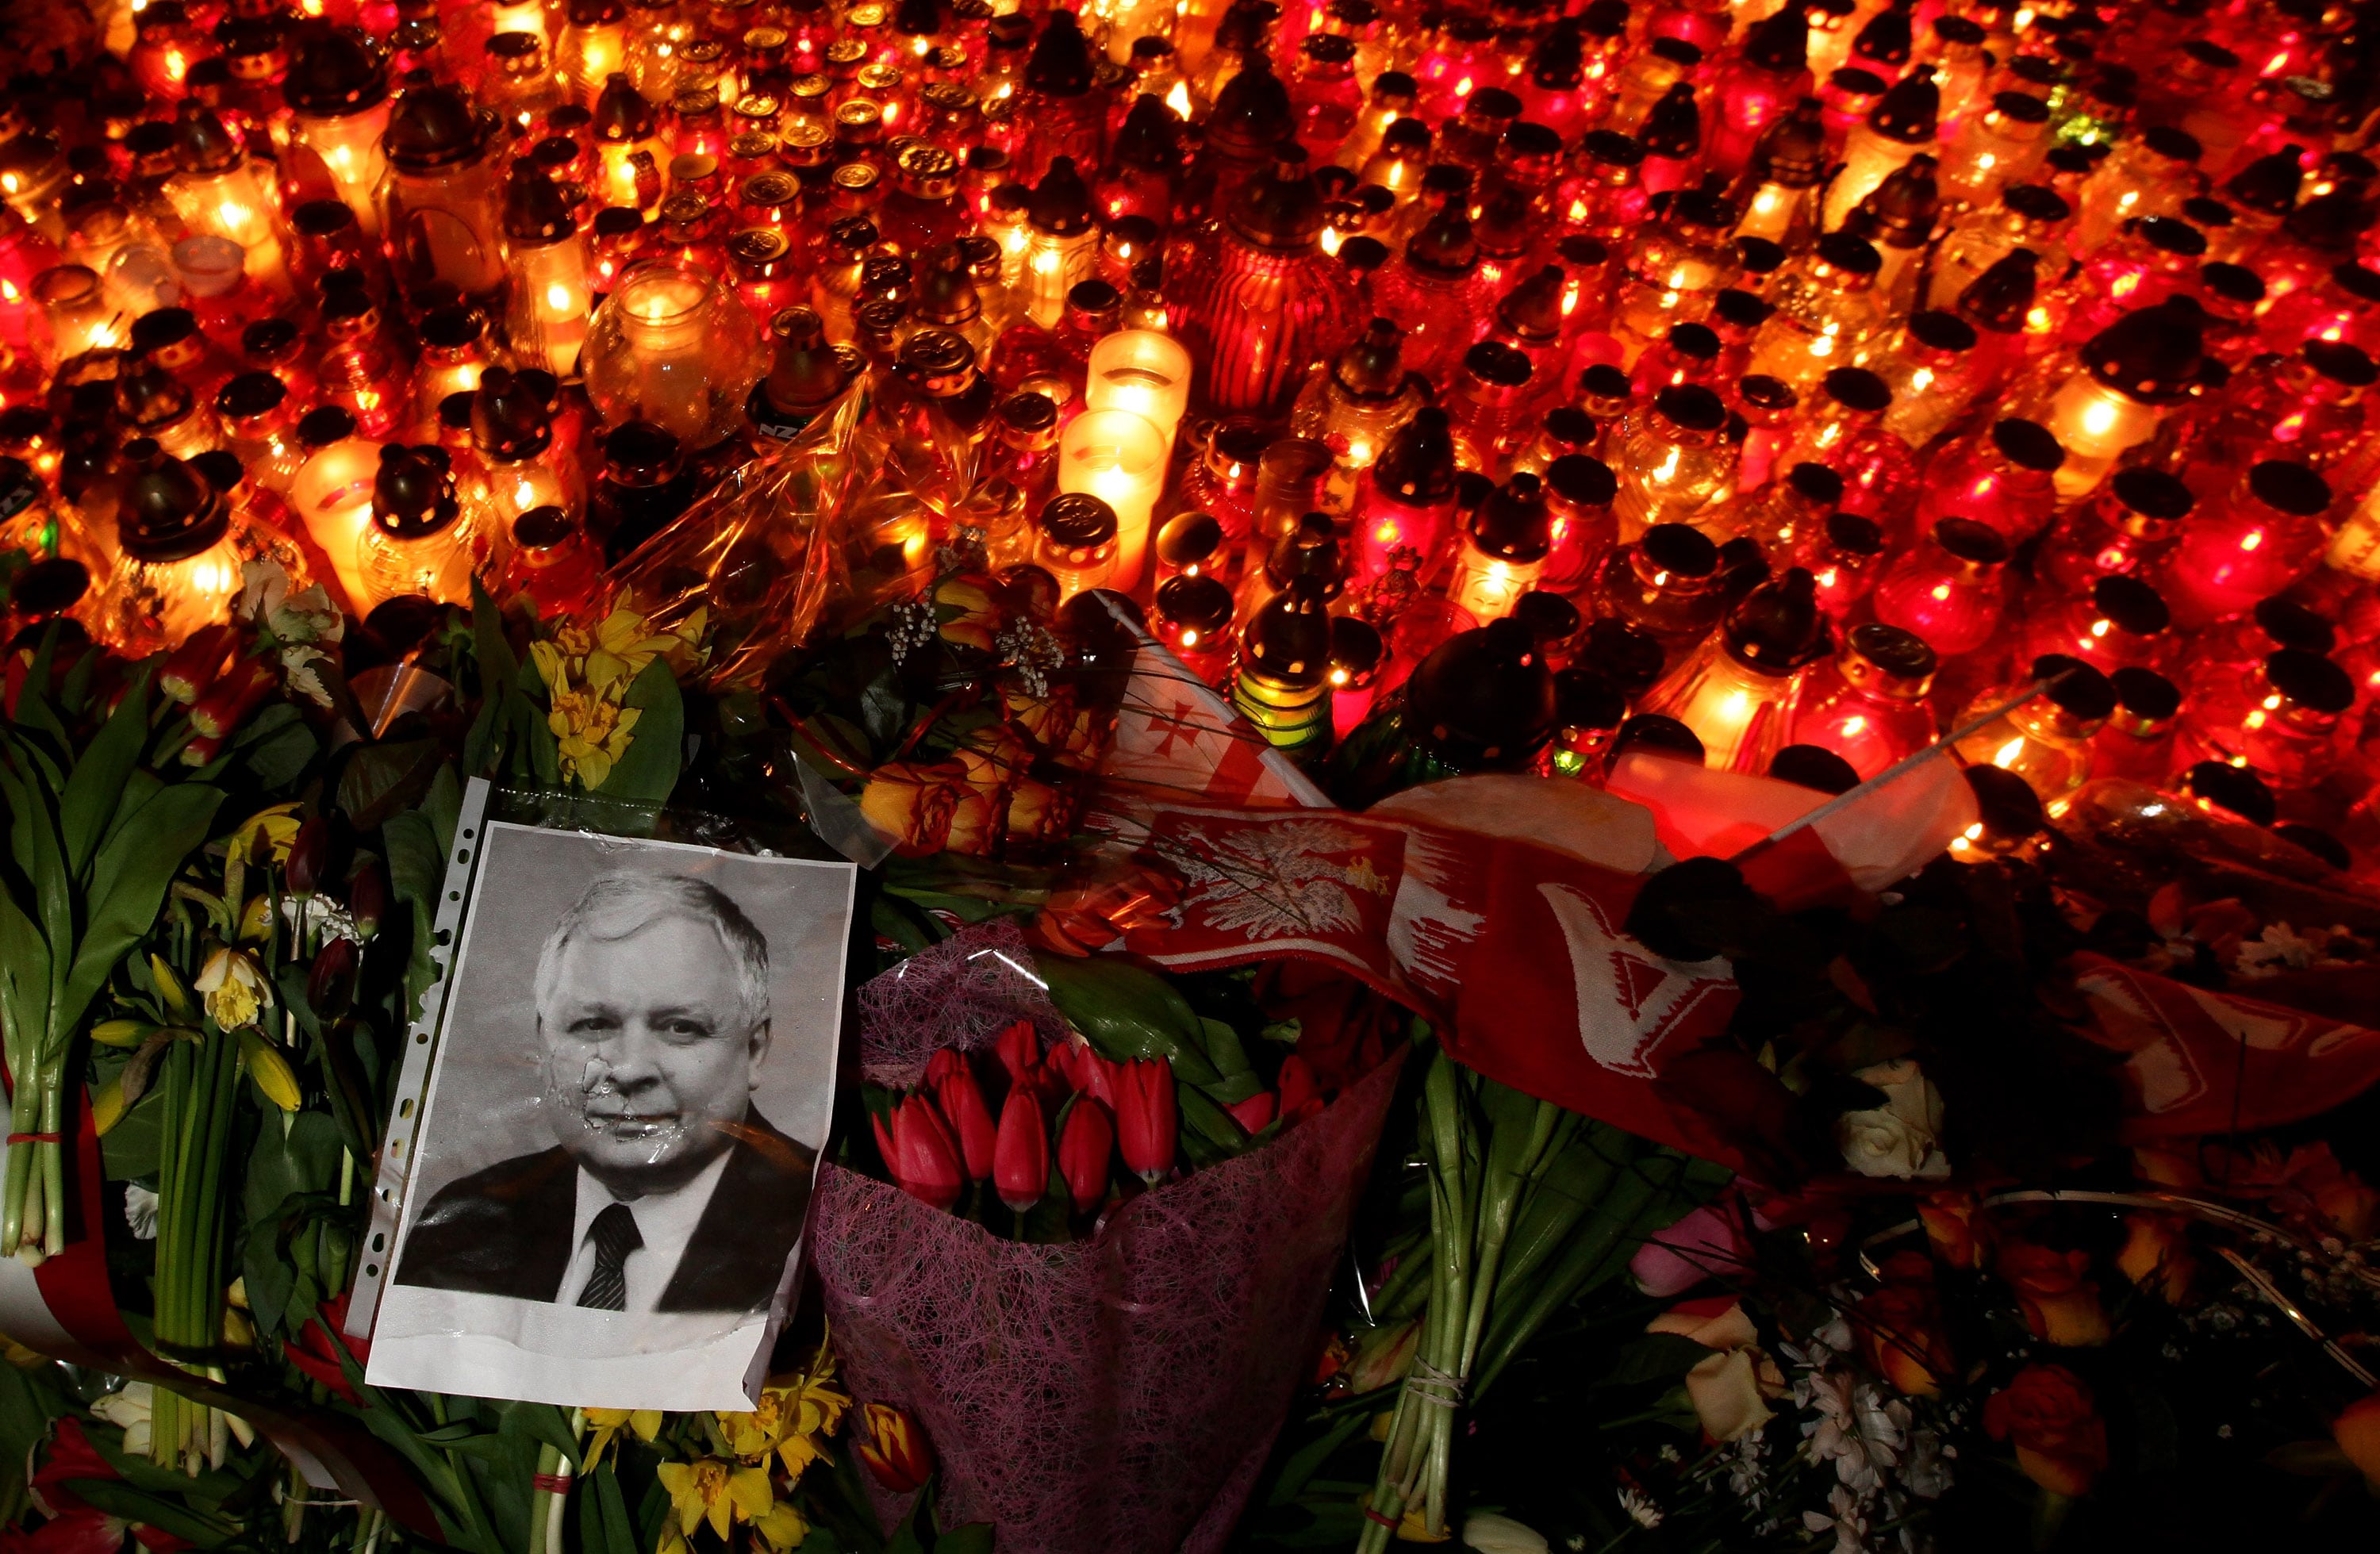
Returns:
(615, 1234)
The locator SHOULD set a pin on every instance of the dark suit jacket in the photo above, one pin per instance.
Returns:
(505, 1231)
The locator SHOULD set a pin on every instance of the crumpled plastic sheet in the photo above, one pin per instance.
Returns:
(1117, 1395)
(843, 516)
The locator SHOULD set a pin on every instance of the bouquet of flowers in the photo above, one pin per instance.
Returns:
(1043, 1351)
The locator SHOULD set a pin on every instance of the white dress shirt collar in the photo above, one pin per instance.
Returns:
(665, 1221)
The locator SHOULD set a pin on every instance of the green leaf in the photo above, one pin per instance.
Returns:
(282, 758)
(95, 787)
(127, 885)
(381, 781)
(648, 770)
(118, 1498)
(130, 1148)
(1127, 1010)
(1656, 1357)
(975, 1537)
(603, 1523)
(417, 864)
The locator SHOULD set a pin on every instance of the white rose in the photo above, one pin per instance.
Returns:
(1902, 1136)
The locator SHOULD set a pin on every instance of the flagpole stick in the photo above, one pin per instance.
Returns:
(1899, 769)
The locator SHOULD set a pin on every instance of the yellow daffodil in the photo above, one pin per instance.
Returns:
(276, 828)
(782, 1528)
(645, 1423)
(794, 1411)
(722, 1493)
(169, 988)
(235, 988)
(592, 733)
(256, 921)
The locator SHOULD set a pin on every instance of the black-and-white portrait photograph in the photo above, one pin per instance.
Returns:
(633, 1081)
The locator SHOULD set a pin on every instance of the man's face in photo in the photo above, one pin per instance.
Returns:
(650, 1051)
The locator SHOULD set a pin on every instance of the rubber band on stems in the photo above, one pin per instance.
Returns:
(1439, 1388)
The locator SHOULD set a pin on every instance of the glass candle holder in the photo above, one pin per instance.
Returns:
(439, 202)
(1901, 126)
(178, 562)
(2046, 741)
(337, 88)
(1077, 542)
(421, 540)
(1502, 550)
(549, 296)
(1870, 704)
(1665, 584)
(2131, 374)
(1948, 591)
(2138, 741)
(1120, 458)
(2266, 537)
(1407, 497)
(2002, 145)
(1823, 308)
(75, 314)
(672, 345)
(1677, 465)
(1737, 689)
(2128, 528)
(1282, 683)
(2003, 475)
(2280, 719)
(332, 494)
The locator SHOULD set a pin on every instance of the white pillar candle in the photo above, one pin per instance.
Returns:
(1142, 372)
(1119, 457)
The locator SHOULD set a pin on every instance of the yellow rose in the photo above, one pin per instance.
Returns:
(913, 805)
(2156, 1256)
(1038, 812)
(975, 623)
(1731, 1386)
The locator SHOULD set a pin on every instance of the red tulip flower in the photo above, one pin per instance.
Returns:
(1021, 1162)
(330, 981)
(367, 900)
(1253, 1114)
(1147, 1123)
(1019, 1047)
(962, 1107)
(1300, 1097)
(920, 1153)
(310, 857)
(1083, 1151)
(895, 1450)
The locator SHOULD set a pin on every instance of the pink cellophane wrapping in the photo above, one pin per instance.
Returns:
(1116, 1395)
(961, 994)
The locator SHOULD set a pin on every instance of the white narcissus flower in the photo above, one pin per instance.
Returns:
(1901, 1138)
(1491, 1534)
(129, 1409)
(141, 1211)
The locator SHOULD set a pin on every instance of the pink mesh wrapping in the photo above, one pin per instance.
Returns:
(961, 993)
(1117, 1395)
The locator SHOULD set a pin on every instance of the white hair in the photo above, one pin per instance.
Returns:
(618, 904)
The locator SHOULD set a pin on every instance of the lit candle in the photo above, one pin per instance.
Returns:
(1119, 457)
(1078, 543)
(333, 496)
(1142, 372)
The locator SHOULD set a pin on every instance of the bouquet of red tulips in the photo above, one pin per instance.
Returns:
(1065, 1119)
(1095, 1189)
